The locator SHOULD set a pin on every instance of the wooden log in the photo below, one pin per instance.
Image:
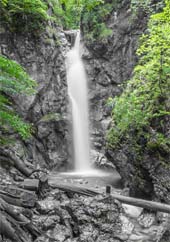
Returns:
(43, 186)
(24, 198)
(30, 184)
(11, 229)
(22, 167)
(75, 222)
(19, 217)
(44, 181)
(19, 164)
(11, 200)
(13, 212)
(108, 190)
(156, 206)
(75, 189)
(6, 228)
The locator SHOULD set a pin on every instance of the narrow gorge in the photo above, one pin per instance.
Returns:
(84, 121)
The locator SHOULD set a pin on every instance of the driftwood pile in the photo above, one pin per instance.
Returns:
(17, 202)
(15, 209)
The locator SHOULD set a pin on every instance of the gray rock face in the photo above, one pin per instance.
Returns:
(108, 64)
(44, 59)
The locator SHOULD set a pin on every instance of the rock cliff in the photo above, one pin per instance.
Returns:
(110, 63)
(43, 57)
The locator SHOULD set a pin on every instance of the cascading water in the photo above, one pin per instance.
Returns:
(78, 96)
(77, 91)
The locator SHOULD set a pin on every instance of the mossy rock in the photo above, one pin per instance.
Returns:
(51, 117)
(160, 143)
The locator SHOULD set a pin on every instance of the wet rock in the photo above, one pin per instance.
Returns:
(96, 218)
(132, 211)
(49, 222)
(127, 226)
(47, 205)
(146, 219)
(71, 35)
(43, 58)
(109, 63)
(59, 234)
(99, 160)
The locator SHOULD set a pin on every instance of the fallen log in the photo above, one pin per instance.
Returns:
(156, 206)
(30, 184)
(19, 164)
(18, 218)
(43, 186)
(11, 200)
(18, 197)
(11, 229)
(75, 189)
(7, 229)
(22, 167)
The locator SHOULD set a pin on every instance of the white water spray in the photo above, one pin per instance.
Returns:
(77, 91)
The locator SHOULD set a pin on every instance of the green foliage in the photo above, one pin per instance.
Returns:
(13, 80)
(68, 12)
(72, 13)
(158, 142)
(23, 15)
(94, 17)
(145, 96)
(148, 6)
(31, 15)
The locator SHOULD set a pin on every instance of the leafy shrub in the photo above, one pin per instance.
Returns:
(23, 15)
(145, 96)
(68, 12)
(31, 15)
(149, 6)
(13, 80)
(94, 17)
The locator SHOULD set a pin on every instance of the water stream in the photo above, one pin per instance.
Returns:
(77, 91)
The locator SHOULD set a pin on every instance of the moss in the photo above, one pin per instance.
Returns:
(49, 41)
(51, 117)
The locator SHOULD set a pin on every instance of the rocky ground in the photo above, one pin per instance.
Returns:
(64, 216)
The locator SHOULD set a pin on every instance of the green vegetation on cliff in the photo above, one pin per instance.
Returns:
(13, 80)
(23, 15)
(32, 15)
(94, 18)
(143, 106)
(149, 6)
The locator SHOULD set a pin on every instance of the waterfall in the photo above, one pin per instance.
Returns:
(77, 91)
